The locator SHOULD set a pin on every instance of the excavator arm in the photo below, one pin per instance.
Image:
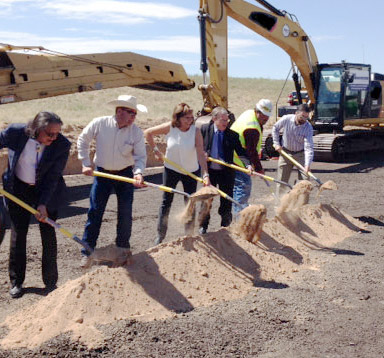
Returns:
(25, 76)
(274, 25)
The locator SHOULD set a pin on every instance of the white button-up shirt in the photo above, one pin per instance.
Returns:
(295, 137)
(29, 159)
(116, 148)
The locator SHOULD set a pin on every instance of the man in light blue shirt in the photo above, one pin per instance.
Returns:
(297, 141)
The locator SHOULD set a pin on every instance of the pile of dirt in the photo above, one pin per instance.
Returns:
(179, 276)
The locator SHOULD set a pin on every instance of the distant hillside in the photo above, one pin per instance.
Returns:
(80, 108)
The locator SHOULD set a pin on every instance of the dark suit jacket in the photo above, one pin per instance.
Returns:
(50, 183)
(231, 143)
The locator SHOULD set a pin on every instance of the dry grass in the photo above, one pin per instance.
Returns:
(80, 108)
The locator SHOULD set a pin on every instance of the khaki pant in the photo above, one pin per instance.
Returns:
(284, 169)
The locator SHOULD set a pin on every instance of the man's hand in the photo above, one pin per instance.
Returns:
(139, 181)
(307, 169)
(278, 148)
(41, 213)
(87, 171)
(250, 168)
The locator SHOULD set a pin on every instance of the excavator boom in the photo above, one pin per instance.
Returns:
(342, 95)
(272, 24)
(25, 76)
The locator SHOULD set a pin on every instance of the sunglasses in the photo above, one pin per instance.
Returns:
(129, 111)
(51, 135)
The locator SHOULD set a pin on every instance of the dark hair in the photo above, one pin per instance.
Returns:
(179, 111)
(303, 108)
(40, 122)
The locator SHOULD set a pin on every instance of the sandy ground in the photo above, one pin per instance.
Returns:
(311, 287)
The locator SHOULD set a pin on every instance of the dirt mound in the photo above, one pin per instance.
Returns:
(178, 276)
(295, 198)
(250, 222)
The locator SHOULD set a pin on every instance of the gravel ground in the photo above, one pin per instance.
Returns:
(335, 311)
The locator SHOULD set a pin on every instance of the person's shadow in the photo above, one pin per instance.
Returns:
(145, 272)
(226, 251)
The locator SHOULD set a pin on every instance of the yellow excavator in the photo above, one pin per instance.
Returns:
(46, 73)
(346, 98)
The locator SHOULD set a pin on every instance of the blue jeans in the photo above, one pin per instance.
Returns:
(241, 191)
(100, 192)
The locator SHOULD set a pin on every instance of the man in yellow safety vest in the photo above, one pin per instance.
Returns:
(249, 126)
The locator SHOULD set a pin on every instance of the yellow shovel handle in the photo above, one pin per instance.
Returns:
(48, 220)
(18, 201)
(186, 172)
(244, 170)
(295, 162)
(132, 181)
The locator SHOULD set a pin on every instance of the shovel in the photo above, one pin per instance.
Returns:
(132, 181)
(48, 220)
(244, 170)
(186, 172)
(330, 184)
(302, 169)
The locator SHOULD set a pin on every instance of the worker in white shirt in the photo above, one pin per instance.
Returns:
(120, 150)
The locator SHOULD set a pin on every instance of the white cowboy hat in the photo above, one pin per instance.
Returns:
(265, 107)
(127, 101)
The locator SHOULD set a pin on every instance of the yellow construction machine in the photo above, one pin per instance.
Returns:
(25, 76)
(347, 98)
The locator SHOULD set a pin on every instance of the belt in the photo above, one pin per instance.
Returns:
(23, 182)
(114, 171)
(293, 152)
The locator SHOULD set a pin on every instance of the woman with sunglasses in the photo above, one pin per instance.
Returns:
(185, 148)
(37, 155)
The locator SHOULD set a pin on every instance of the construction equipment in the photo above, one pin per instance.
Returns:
(342, 94)
(49, 73)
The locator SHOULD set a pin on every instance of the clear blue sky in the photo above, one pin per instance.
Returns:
(168, 29)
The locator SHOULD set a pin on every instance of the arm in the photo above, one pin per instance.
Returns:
(276, 133)
(251, 137)
(308, 148)
(149, 133)
(240, 151)
(83, 144)
(201, 157)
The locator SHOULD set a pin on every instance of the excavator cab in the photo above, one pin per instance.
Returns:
(347, 94)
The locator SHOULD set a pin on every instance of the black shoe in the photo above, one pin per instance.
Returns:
(202, 230)
(50, 288)
(16, 291)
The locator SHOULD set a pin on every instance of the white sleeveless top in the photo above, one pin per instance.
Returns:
(181, 149)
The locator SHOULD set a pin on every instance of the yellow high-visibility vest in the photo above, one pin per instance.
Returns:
(246, 120)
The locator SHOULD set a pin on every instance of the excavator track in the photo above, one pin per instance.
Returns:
(336, 147)
(341, 146)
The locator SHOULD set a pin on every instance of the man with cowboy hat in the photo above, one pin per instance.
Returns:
(249, 126)
(120, 150)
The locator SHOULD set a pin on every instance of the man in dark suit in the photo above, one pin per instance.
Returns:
(37, 155)
(220, 142)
